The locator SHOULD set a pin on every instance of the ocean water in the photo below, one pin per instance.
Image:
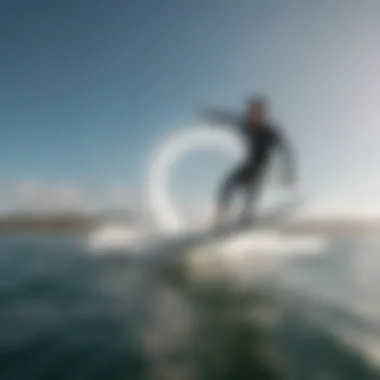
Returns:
(67, 313)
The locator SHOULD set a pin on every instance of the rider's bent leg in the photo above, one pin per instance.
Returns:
(233, 182)
(252, 191)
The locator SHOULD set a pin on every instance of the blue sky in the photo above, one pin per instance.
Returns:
(89, 86)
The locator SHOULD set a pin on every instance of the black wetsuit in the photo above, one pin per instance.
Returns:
(261, 142)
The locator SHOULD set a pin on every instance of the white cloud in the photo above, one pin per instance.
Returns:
(315, 209)
(34, 196)
(43, 197)
(340, 207)
(54, 197)
(120, 197)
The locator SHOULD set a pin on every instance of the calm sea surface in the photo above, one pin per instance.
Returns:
(66, 313)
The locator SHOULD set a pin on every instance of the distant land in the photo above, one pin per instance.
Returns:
(85, 223)
(60, 223)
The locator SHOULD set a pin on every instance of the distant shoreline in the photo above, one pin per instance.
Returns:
(62, 224)
(84, 224)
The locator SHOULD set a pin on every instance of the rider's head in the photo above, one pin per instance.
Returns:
(257, 110)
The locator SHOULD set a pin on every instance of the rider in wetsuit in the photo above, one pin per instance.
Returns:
(262, 137)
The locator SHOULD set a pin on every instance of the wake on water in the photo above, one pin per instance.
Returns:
(264, 252)
(261, 235)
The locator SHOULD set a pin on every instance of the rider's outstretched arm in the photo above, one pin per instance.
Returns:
(220, 116)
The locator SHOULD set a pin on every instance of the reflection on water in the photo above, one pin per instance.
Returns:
(66, 314)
